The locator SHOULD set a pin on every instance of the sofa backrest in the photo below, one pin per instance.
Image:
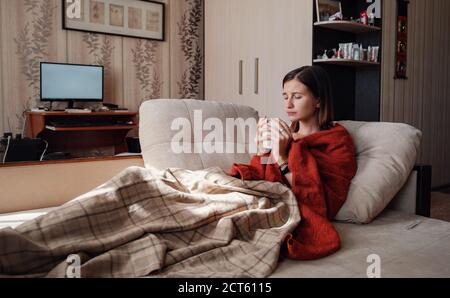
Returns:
(160, 126)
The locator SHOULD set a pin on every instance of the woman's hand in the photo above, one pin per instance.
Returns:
(263, 132)
(281, 136)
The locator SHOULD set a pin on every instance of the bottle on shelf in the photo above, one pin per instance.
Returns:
(356, 52)
(372, 19)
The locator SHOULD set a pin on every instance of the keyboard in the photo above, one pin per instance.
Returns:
(86, 123)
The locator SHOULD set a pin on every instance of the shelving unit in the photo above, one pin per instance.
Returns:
(356, 84)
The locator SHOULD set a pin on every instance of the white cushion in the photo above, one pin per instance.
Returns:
(155, 133)
(386, 155)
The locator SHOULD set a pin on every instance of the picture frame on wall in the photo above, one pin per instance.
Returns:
(327, 8)
(129, 18)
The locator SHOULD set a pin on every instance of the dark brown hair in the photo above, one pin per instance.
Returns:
(319, 83)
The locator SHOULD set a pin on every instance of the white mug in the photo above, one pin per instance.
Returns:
(267, 144)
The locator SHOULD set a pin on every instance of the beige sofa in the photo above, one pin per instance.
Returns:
(407, 244)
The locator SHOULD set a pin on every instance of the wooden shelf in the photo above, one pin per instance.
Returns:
(347, 26)
(346, 62)
(92, 128)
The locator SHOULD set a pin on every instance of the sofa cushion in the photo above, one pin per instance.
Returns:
(386, 154)
(157, 131)
(404, 252)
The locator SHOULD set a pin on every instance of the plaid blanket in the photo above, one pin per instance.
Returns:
(147, 222)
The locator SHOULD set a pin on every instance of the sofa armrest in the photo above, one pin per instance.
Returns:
(46, 184)
(414, 197)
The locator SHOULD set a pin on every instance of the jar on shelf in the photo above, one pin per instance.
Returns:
(363, 17)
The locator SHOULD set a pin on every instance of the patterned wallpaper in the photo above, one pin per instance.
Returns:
(136, 70)
(189, 34)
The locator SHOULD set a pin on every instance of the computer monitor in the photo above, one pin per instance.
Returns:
(71, 82)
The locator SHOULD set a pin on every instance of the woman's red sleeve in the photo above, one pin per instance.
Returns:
(258, 170)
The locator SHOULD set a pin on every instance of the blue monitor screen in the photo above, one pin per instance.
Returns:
(73, 82)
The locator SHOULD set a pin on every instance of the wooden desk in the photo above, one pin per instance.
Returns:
(68, 139)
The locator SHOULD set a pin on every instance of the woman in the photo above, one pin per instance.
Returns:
(313, 156)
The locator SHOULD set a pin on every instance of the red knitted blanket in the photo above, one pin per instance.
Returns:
(322, 165)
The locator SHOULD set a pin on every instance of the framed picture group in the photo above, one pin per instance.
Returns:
(133, 18)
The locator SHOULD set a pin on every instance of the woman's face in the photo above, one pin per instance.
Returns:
(299, 103)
